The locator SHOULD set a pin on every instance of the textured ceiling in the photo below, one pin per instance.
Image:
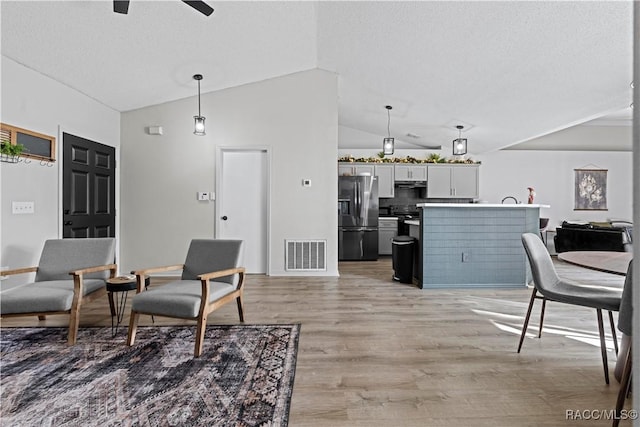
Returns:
(508, 71)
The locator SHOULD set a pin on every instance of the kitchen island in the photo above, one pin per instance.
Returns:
(474, 244)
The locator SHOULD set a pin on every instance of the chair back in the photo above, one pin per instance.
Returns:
(544, 223)
(208, 255)
(625, 316)
(60, 256)
(542, 269)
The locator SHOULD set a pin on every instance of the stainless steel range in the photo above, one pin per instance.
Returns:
(403, 213)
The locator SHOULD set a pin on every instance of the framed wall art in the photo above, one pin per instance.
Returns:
(590, 189)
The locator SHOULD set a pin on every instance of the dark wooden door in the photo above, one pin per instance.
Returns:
(88, 188)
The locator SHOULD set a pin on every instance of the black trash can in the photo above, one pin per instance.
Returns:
(402, 258)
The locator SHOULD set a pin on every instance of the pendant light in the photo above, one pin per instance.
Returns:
(460, 143)
(199, 120)
(387, 143)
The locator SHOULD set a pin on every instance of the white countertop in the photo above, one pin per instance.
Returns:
(479, 205)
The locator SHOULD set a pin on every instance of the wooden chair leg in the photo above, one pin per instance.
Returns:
(526, 319)
(74, 319)
(133, 327)
(240, 308)
(603, 346)
(74, 323)
(544, 305)
(202, 325)
(625, 384)
(613, 332)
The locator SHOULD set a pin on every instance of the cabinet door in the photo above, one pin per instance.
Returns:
(402, 172)
(411, 172)
(346, 170)
(364, 170)
(385, 180)
(385, 241)
(464, 180)
(439, 182)
(353, 169)
(419, 173)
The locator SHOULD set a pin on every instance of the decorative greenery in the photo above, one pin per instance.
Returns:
(436, 158)
(433, 158)
(8, 149)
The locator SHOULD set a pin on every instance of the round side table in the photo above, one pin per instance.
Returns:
(120, 286)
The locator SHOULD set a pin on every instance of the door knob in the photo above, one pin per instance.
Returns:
(224, 218)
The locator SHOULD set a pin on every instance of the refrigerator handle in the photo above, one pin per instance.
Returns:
(356, 198)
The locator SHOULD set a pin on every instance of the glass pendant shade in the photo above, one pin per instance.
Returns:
(198, 128)
(459, 146)
(387, 143)
(387, 146)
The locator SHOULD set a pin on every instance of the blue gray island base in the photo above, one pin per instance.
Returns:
(474, 245)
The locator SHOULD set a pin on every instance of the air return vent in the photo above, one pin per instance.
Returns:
(305, 255)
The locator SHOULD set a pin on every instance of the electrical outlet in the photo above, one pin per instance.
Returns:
(20, 208)
(465, 257)
(203, 196)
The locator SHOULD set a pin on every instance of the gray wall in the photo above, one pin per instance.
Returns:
(295, 116)
(35, 102)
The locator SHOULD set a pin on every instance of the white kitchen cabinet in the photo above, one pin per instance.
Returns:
(452, 182)
(385, 174)
(410, 172)
(387, 230)
(354, 169)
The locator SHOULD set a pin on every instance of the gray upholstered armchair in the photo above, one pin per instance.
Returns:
(211, 277)
(70, 272)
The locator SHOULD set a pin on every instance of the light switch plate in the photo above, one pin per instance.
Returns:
(20, 208)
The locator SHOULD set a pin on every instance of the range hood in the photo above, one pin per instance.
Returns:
(410, 184)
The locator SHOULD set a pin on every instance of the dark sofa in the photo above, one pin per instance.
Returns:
(593, 237)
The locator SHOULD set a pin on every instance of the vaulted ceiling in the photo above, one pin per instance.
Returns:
(509, 71)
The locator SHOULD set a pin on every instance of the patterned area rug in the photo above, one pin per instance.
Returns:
(243, 378)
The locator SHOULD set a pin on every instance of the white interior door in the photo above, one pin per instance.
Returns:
(242, 187)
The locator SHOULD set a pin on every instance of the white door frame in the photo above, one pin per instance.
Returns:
(219, 152)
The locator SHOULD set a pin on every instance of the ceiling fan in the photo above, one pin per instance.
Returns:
(122, 6)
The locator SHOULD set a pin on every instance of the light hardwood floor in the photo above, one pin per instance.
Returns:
(374, 352)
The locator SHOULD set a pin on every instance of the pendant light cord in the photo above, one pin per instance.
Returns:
(388, 121)
(199, 99)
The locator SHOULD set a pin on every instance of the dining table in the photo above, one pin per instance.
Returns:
(608, 262)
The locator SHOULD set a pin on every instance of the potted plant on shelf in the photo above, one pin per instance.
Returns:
(10, 153)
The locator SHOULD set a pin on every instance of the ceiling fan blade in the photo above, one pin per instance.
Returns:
(200, 6)
(121, 6)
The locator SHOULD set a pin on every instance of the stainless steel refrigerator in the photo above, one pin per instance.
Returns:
(357, 218)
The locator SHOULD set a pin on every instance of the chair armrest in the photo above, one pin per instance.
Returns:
(140, 274)
(78, 279)
(221, 273)
(205, 282)
(19, 271)
(148, 271)
(83, 271)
